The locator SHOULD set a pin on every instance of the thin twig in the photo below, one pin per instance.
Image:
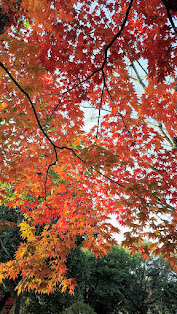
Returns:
(142, 67)
(138, 76)
(118, 112)
(101, 100)
(5, 250)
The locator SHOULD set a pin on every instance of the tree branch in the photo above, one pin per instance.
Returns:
(5, 250)
(118, 34)
(161, 127)
(169, 15)
(138, 76)
(101, 100)
(142, 67)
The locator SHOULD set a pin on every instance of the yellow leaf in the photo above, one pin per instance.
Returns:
(27, 231)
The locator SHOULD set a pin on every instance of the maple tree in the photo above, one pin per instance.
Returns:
(57, 58)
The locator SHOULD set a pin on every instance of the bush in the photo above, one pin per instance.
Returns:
(79, 308)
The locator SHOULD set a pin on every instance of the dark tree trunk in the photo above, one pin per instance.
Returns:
(3, 300)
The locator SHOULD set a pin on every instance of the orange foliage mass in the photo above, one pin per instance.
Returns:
(56, 57)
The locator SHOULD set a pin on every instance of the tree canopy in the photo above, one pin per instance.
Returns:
(57, 59)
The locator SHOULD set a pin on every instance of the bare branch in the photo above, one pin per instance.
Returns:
(142, 67)
(138, 76)
(161, 128)
(5, 250)
(101, 100)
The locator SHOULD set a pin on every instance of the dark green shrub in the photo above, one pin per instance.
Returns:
(79, 308)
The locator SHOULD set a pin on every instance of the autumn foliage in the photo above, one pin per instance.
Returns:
(58, 57)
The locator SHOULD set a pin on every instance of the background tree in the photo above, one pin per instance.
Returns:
(149, 286)
(115, 282)
(10, 239)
